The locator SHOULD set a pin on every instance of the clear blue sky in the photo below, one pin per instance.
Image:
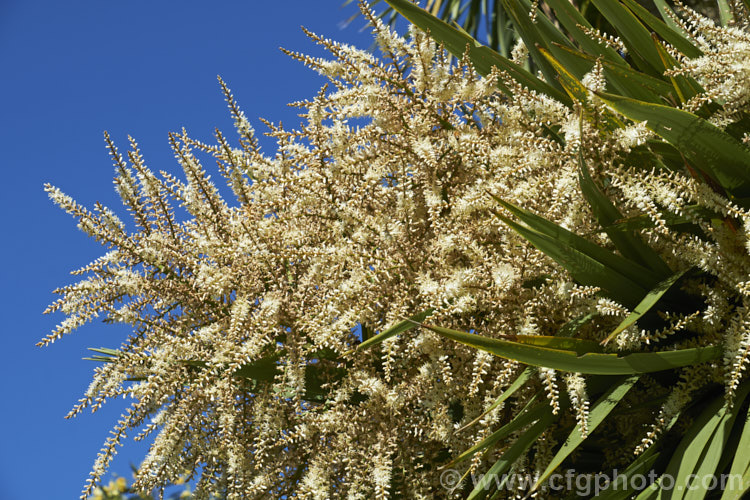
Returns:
(71, 70)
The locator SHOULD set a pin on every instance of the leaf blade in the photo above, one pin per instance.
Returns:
(670, 31)
(594, 363)
(624, 280)
(521, 420)
(646, 304)
(398, 328)
(481, 56)
(523, 443)
(741, 462)
(517, 384)
(629, 244)
(706, 146)
(599, 411)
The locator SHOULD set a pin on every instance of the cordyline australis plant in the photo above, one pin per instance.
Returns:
(580, 236)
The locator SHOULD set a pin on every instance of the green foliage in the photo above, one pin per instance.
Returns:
(579, 217)
(491, 21)
(637, 277)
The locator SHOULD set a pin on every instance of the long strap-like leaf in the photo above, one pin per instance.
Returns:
(630, 245)
(624, 281)
(633, 34)
(603, 406)
(624, 79)
(700, 450)
(483, 58)
(705, 145)
(646, 304)
(668, 29)
(521, 420)
(495, 476)
(740, 464)
(590, 363)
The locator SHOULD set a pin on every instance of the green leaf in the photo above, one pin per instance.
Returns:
(670, 31)
(665, 11)
(483, 58)
(626, 80)
(584, 268)
(520, 420)
(646, 304)
(517, 384)
(706, 146)
(746, 480)
(396, 329)
(740, 464)
(623, 280)
(700, 449)
(531, 36)
(718, 445)
(548, 30)
(725, 12)
(580, 93)
(579, 346)
(106, 351)
(633, 34)
(523, 443)
(569, 360)
(571, 19)
(545, 35)
(599, 411)
(650, 493)
(640, 275)
(630, 245)
(686, 87)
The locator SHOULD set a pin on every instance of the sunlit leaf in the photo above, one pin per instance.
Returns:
(706, 146)
(698, 453)
(482, 57)
(400, 327)
(667, 29)
(633, 34)
(599, 411)
(523, 418)
(630, 245)
(569, 360)
(646, 304)
(580, 93)
(740, 463)
(523, 443)
(624, 79)
(685, 86)
(589, 264)
(517, 384)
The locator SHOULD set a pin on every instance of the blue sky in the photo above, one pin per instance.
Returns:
(71, 70)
